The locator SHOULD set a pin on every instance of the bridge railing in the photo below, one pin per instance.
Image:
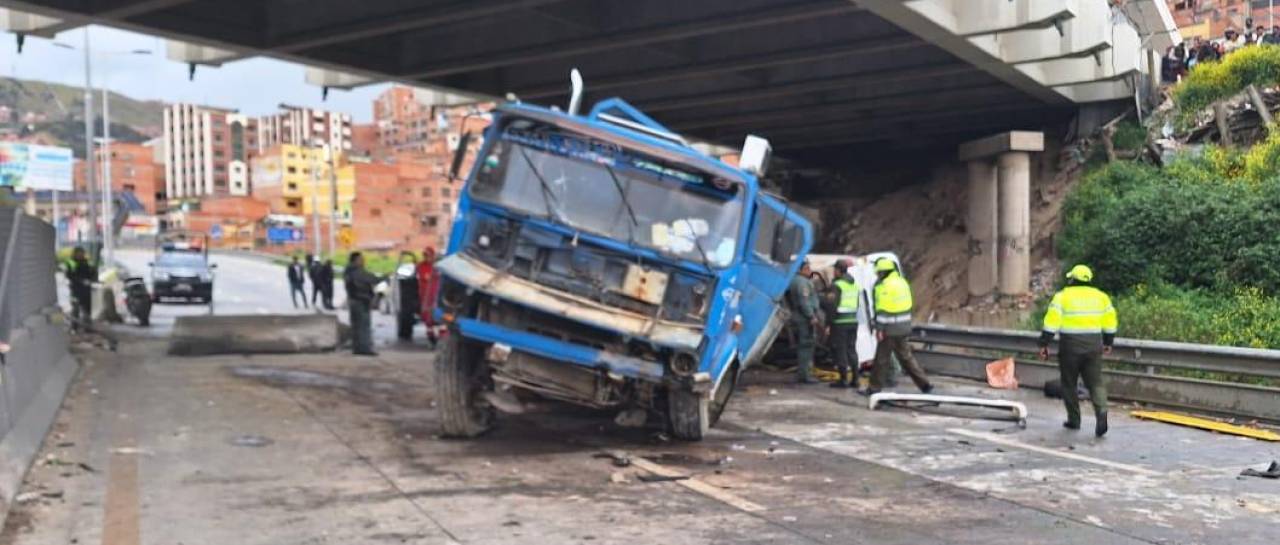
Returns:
(1219, 379)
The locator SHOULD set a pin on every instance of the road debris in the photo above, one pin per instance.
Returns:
(618, 477)
(1206, 424)
(660, 478)
(1272, 472)
(620, 459)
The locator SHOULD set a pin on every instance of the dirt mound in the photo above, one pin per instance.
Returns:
(925, 225)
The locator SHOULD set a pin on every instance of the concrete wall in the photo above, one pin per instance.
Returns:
(36, 370)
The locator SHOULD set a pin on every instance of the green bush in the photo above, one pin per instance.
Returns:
(1209, 82)
(1188, 226)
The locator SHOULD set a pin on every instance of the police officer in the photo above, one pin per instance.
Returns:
(80, 278)
(892, 323)
(1086, 321)
(806, 320)
(844, 326)
(359, 283)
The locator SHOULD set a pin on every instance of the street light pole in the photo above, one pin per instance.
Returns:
(108, 215)
(89, 161)
(333, 201)
(315, 205)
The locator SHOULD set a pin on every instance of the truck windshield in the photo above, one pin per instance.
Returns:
(598, 188)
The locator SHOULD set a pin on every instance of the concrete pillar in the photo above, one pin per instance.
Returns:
(1014, 180)
(981, 225)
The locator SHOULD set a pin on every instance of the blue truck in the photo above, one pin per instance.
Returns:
(601, 260)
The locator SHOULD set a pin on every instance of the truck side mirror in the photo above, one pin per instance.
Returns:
(459, 155)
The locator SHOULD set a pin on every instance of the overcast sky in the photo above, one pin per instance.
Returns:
(255, 86)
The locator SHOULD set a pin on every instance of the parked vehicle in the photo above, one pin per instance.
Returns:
(601, 260)
(181, 269)
(137, 300)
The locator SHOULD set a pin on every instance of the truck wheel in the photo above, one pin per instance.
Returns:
(689, 414)
(458, 390)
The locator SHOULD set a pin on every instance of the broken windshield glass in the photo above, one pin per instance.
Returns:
(624, 198)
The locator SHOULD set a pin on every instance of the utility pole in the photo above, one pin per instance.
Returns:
(89, 161)
(315, 205)
(333, 200)
(108, 215)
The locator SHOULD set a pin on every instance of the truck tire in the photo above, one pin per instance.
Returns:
(689, 414)
(457, 390)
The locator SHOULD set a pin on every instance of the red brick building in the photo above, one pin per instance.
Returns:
(133, 170)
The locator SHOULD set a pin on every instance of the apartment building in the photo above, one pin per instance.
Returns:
(309, 127)
(133, 170)
(294, 180)
(206, 151)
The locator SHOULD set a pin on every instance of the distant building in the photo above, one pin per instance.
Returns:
(284, 179)
(133, 170)
(305, 127)
(364, 139)
(1209, 19)
(206, 151)
(405, 120)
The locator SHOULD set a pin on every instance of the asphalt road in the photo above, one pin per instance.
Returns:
(243, 284)
(327, 448)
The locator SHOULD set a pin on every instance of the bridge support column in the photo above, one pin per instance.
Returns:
(1014, 174)
(981, 224)
(999, 218)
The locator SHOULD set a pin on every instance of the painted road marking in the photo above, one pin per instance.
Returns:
(993, 438)
(700, 487)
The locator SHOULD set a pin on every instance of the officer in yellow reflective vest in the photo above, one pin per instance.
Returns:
(1086, 321)
(844, 326)
(893, 307)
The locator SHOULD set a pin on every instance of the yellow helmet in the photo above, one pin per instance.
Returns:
(1081, 273)
(885, 264)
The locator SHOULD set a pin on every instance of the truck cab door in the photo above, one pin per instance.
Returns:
(778, 237)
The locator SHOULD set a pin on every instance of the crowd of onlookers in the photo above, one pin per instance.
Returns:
(1181, 58)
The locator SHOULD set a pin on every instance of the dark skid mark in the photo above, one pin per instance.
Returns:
(285, 377)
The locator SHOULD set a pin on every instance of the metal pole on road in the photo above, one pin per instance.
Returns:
(315, 206)
(108, 216)
(89, 162)
(333, 199)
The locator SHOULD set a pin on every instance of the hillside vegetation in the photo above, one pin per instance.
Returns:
(1191, 250)
(62, 107)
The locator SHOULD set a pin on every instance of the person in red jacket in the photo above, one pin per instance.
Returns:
(428, 283)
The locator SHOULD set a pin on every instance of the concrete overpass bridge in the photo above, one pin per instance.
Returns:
(828, 81)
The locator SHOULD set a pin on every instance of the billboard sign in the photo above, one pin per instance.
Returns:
(31, 166)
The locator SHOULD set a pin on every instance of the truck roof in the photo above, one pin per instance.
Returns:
(615, 121)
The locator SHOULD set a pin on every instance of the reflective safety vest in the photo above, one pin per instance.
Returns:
(1080, 310)
(847, 305)
(893, 300)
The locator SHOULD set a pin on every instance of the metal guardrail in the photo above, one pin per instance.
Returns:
(964, 351)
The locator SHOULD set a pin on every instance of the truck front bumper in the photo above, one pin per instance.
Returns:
(558, 350)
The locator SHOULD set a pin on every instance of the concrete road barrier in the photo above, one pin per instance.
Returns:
(254, 334)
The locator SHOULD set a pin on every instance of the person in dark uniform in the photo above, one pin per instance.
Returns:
(313, 274)
(359, 283)
(844, 326)
(80, 278)
(326, 283)
(806, 320)
(296, 276)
